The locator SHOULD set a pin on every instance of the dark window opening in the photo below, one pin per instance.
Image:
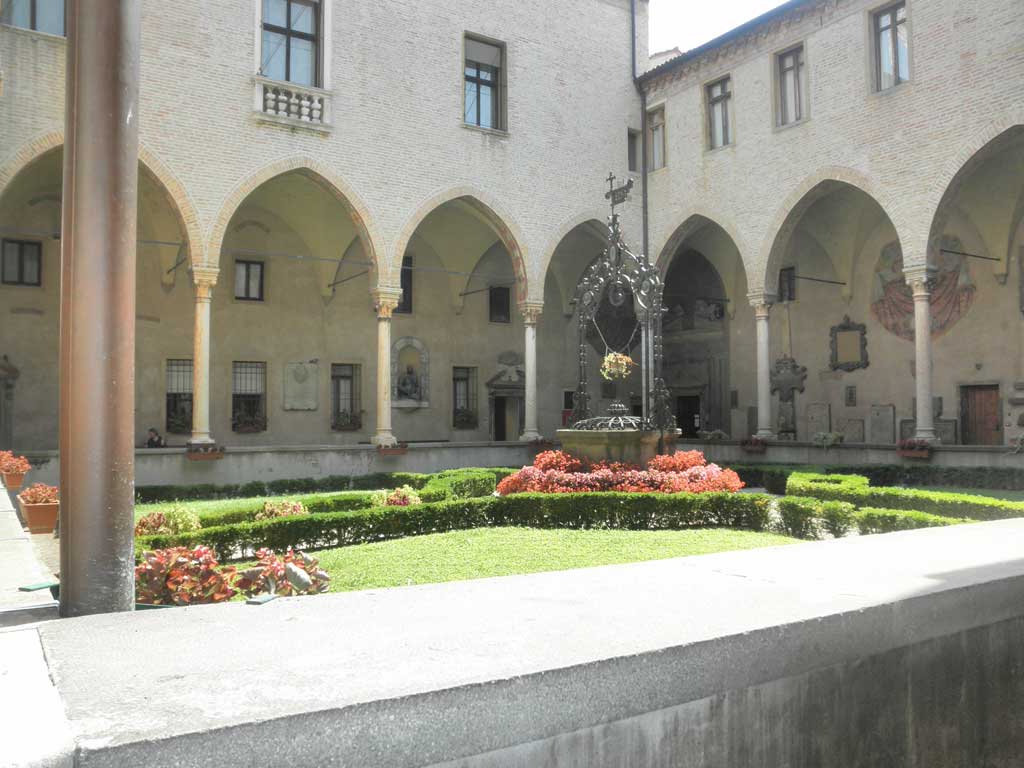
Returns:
(346, 406)
(178, 420)
(248, 397)
(500, 304)
(787, 284)
(633, 150)
(464, 398)
(405, 280)
(291, 41)
(22, 263)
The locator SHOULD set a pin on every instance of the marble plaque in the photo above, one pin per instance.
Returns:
(852, 430)
(883, 424)
(819, 418)
(907, 428)
(301, 386)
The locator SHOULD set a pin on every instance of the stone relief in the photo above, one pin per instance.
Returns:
(892, 302)
(410, 373)
(787, 379)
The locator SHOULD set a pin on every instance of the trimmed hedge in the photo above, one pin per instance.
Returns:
(773, 477)
(871, 520)
(856, 490)
(632, 511)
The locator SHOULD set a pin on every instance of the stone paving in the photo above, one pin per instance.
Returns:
(27, 559)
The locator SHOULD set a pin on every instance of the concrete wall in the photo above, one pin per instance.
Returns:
(900, 649)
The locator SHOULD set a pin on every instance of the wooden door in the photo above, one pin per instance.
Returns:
(980, 420)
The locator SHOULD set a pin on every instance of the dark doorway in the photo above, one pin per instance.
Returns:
(980, 421)
(500, 419)
(688, 414)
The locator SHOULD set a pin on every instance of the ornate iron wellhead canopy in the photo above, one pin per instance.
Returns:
(618, 277)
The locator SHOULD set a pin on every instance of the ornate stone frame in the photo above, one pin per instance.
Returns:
(846, 326)
(396, 348)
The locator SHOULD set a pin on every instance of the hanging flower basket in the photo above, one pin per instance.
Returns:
(615, 366)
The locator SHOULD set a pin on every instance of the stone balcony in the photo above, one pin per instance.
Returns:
(293, 105)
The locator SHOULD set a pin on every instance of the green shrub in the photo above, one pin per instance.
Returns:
(634, 511)
(799, 516)
(870, 520)
(856, 490)
(837, 517)
(170, 521)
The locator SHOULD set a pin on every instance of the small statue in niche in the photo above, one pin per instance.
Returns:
(409, 384)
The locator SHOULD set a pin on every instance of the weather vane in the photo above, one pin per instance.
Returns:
(617, 195)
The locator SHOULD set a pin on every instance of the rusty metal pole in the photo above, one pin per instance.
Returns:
(97, 309)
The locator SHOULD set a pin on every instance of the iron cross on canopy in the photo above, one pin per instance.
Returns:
(617, 196)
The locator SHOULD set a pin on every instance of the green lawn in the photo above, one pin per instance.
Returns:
(484, 552)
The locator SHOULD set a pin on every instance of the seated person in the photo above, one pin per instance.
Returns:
(153, 439)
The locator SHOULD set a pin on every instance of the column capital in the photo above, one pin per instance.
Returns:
(920, 278)
(762, 302)
(385, 299)
(531, 311)
(205, 276)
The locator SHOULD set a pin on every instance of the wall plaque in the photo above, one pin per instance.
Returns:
(301, 387)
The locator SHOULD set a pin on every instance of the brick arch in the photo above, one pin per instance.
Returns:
(691, 222)
(596, 217)
(508, 232)
(959, 166)
(177, 197)
(797, 203)
(316, 171)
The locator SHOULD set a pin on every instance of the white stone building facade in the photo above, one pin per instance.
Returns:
(368, 160)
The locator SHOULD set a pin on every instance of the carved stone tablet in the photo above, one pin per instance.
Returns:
(883, 424)
(301, 387)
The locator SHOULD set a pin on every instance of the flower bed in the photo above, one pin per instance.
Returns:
(682, 472)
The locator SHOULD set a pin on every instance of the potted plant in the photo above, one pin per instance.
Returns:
(13, 468)
(40, 504)
(826, 440)
(914, 449)
(754, 444)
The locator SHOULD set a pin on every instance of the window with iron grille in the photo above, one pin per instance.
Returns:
(22, 262)
(179, 397)
(787, 284)
(346, 408)
(405, 280)
(791, 86)
(248, 280)
(464, 406)
(249, 397)
(719, 97)
(39, 15)
(484, 92)
(656, 139)
(892, 47)
(500, 304)
(291, 41)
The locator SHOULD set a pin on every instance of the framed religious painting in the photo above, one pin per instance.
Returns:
(849, 346)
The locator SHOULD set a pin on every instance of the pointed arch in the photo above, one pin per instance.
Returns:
(319, 174)
(486, 206)
(594, 219)
(590, 223)
(167, 181)
(787, 217)
(691, 222)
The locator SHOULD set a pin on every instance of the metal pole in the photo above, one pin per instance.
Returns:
(97, 318)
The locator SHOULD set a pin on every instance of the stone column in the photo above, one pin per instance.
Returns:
(764, 366)
(920, 280)
(204, 278)
(385, 300)
(531, 313)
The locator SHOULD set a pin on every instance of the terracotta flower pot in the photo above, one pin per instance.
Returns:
(914, 453)
(13, 480)
(41, 518)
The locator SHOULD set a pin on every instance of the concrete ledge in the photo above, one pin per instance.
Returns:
(423, 675)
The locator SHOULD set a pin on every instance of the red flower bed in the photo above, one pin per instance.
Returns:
(682, 472)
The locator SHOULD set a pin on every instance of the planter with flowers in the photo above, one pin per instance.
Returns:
(754, 444)
(914, 449)
(40, 505)
(13, 468)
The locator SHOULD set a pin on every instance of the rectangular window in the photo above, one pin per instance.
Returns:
(405, 280)
(22, 263)
(791, 86)
(500, 304)
(850, 397)
(633, 150)
(249, 397)
(179, 397)
(787, 284)
(39, 15)
(484, 90)
(656, 139)
(346, 406)
(291, 41)
(248, 280)
(892, 59)
(567, 406)
(719, 96)
(464, 405)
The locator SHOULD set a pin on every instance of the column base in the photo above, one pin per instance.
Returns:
(765, 434)
(384, 440)
(531, 436)
(929, 436)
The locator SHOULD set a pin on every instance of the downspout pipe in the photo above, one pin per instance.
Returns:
(643, 126)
